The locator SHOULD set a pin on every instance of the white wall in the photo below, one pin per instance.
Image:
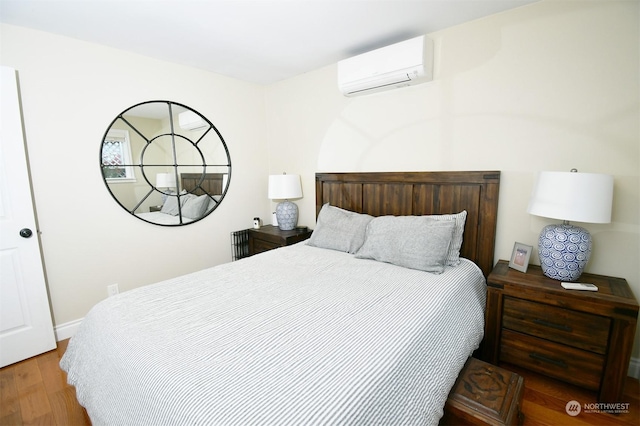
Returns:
(549, 86)
(71, 91)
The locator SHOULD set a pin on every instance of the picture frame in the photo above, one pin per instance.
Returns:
(520, 257)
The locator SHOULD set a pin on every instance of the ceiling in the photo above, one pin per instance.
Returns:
(261, 41)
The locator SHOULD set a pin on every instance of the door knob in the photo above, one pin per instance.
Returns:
(26, 233)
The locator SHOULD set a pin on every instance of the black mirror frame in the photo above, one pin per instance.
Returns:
(175, 165)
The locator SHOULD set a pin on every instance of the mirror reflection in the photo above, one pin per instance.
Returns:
(165, 163)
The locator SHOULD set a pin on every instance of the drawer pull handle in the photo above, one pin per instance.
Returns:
(543, 358)
(552, 325)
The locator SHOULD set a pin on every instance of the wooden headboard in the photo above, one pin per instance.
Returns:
(211, 183)
(421, 193)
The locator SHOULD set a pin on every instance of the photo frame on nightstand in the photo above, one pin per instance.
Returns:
(520, 257)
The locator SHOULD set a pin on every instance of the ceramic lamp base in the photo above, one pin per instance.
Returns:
(564, 251)
(287, 215)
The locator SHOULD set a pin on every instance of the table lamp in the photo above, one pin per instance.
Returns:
(564, 249)
(167, 181)
(284, 187)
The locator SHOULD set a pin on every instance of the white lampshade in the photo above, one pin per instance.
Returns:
(165, 180)
(573, 196)
(565, 249)
(284, 187)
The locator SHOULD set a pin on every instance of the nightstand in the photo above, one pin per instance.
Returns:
(580, 337)
(269, 237)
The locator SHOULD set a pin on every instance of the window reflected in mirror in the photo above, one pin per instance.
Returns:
(165, 163)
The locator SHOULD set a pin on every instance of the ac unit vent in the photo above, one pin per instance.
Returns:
(398, 65)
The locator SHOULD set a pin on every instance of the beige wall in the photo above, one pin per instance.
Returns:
(549, 86)
(71, 91)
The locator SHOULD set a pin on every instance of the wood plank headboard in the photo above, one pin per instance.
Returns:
(199, 184)
(421, 193)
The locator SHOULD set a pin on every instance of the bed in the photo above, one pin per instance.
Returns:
(304, 334)
(200, 193)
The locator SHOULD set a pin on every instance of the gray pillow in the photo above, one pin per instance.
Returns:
(195, 207)
(339, 229)
(170, 206)
(416, 242)
(453, 257)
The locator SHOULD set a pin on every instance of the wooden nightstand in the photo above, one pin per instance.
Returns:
(580, 337)
(269, 237)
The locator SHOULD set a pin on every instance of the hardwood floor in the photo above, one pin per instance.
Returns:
(545, 402)
(35, 392)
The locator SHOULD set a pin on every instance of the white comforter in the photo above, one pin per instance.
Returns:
(294, 336)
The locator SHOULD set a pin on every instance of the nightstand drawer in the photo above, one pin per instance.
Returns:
(577, 329)
(572, 365)
(260, 246)
(270, 237)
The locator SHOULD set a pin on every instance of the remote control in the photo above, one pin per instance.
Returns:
(579, 286)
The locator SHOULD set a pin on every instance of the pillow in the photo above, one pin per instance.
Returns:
(194, 207)
(453, 257)
(416, 242)
(170, 206)
(339, 229)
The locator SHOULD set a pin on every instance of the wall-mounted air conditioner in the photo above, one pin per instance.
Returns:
(189, 120)
(402, 64)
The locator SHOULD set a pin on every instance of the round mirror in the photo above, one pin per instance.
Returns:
(165, 163)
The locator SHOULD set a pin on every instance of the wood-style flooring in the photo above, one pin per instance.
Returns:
(35, 392)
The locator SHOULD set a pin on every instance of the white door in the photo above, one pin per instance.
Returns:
(26, 328)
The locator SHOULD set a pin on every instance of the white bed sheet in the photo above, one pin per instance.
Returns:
(299, 335)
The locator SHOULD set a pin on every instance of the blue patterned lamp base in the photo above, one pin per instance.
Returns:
(564, 251)
(287, 215)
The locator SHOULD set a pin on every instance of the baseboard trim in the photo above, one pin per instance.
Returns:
(67, 330)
